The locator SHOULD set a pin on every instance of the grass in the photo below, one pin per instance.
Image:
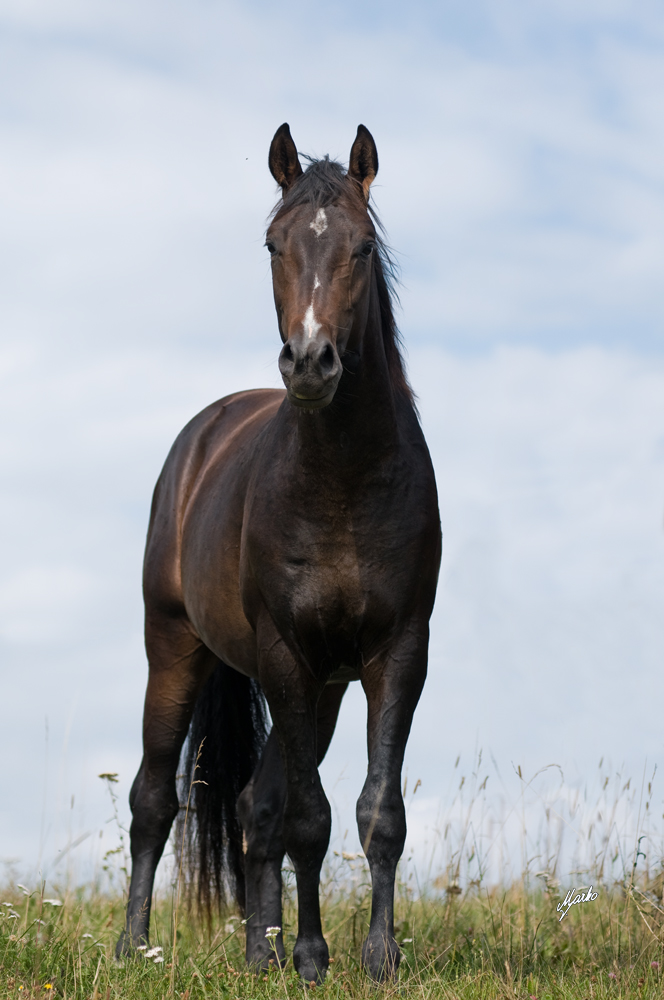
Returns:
(500, 942)
(471, 932)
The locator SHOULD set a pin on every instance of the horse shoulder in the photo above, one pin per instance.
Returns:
(198, 455)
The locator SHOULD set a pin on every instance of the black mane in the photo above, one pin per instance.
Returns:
(324, 183)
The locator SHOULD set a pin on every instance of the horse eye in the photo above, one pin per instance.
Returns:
(367, 249)
(271, 249)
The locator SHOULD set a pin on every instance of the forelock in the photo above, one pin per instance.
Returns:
(323, 183)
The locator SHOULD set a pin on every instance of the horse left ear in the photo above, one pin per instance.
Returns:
(283, 160)
(363, 165)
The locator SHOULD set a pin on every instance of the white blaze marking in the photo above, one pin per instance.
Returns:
(319, 225)
(311, 325)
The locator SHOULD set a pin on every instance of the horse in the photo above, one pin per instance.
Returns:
(293, 548)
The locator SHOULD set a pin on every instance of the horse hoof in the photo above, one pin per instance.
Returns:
(259, 954)
(265, 963)
(121, 950)
(311, 960)
(125, 947)
(380, 958)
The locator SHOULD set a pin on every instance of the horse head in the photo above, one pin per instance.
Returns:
(322, 243)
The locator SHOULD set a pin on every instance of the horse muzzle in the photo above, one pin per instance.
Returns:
(311, 371)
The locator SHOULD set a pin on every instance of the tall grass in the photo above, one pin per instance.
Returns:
(480, 920)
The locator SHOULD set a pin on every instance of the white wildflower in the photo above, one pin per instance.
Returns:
(53, 902)
(140, 947)
(12, 916)
(86, 935)
(407, 941)
(158, 959)
(272, 932)
(153, 951)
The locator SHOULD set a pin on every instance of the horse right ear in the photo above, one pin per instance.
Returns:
(363, 165)
(283, 160)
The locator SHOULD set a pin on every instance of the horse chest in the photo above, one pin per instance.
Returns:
(337, 560)
(326, 583)
(314, 581)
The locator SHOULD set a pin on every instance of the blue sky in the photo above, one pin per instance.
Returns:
(522, 158)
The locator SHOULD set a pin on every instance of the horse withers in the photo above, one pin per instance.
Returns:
(293, 547)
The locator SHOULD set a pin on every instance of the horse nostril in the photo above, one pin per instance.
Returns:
(286, 359)
(326, 359)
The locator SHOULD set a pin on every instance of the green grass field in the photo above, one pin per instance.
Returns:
(477, 943)
(470, 932)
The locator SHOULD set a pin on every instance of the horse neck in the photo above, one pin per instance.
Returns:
(362, 419)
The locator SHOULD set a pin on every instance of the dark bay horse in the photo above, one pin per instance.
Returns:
(293, 547)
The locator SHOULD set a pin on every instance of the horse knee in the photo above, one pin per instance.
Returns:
(245, 805)
(307, 829)
(381, 822)
(262, 821)
(154, 805)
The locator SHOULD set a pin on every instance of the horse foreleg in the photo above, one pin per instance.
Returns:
(260, 808)
(179, 665)
(292, 694)
(392, 685)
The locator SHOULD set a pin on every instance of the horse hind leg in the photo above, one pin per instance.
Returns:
(179, 666)
(260, 809)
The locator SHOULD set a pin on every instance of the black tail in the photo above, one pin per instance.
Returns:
(229, 720)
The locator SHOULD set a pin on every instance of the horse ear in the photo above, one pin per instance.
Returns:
(363, 165)
(283, 161)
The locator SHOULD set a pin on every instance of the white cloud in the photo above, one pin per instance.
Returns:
(40, 604)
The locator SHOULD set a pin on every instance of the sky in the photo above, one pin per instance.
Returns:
(521, 163)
